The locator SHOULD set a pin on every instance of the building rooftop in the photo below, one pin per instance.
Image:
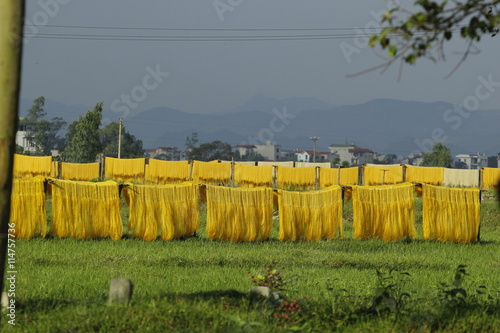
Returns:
(245, 146)
(360, 150)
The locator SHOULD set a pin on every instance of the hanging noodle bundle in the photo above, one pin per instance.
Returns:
(79, 171)
(424, 175)
(312, 164)
(171, 210)
(27, 210)
(250, 163)
(382, 174)
(288, 164)
(296, 178)
(490, 177)
(253, 176)
(85, 210)
(125, 170)
(450, 214)
(166, 172)
(329, 177)
(385, 212)
(239, 214)
(461, 178)
(55, 170)
(211, 172)
(310, 216)
(32, 166)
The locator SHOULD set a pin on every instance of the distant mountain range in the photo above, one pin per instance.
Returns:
(382, 125)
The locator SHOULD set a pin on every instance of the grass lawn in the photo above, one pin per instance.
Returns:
(199, 285)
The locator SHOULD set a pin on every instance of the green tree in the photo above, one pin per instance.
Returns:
(440, 156)
(249, 156)
(215, 150)
(19, 149)
(131, 147)
(43, 134)
(408, 35)
(83, 137)
(47, 135)
(192, 141)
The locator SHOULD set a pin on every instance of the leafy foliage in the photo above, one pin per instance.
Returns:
(271, 278)
(130, 146)
(215, 150)
(249, 156)
(42, 133)
(421, 33)
(440, 156)
(389, 293)
(84, 142)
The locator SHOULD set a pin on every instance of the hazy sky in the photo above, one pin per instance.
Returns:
(208, 76)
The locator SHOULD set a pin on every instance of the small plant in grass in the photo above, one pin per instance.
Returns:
(287, 313)
(457, 295)
(271, 278)
(389, 294)
(454, 294)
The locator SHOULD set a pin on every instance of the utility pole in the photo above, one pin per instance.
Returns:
(120, 137)
(314, 139)
(383, 175)
(11, 42)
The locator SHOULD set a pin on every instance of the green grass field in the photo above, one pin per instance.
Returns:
(199, 285)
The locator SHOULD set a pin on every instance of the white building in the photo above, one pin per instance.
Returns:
(270, 151)
(352, 154)
(413, 159)
(308, 156)
(167, 153)
(244, 149)
(24, 139)
(476, 161)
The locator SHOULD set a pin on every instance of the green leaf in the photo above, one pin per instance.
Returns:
(393, 50)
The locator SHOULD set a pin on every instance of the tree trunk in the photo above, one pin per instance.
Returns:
(11, 24)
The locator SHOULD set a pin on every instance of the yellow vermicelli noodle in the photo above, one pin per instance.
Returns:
(239, 214)
(310, 216)
(288, 164)
(85, 210)
(79, 171)
(490, 178)
(385, 212)
(211, 173)
(296, 178)
(27, 210)
(125, 170)
(460, 178)
(329, 177)
(312, 164)
(253, 176)
(383, 174)
(55, 170)
(32, 166)
(171, 210)
(424, 175)
(450, 214)
(167, 172)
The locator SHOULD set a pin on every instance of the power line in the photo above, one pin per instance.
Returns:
(336, 33)
(187, 29)
(199, 38)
